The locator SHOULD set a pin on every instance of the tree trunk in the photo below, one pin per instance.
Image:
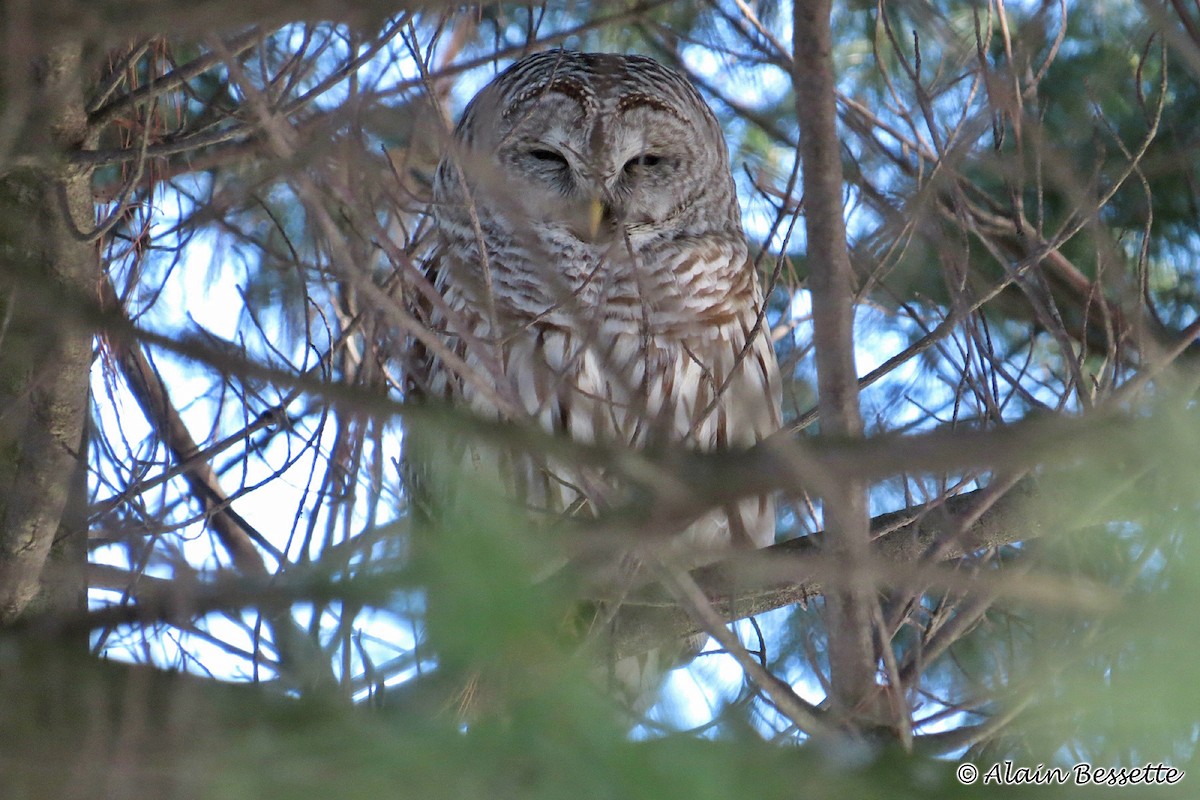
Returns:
(849, 606)
(45, 355)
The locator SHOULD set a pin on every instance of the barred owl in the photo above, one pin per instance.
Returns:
(594, 276)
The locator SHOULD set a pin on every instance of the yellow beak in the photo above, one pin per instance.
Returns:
(595, 214)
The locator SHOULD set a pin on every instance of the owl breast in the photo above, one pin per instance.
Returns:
(674, 287)
(635, 359)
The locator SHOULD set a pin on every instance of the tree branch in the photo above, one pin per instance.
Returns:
(299, 656)
(850, 612)
(740, 587)
(755, 583)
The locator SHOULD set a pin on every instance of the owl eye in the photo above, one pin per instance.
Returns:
(644, 160)
(548, 157)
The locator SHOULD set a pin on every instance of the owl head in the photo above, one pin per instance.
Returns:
(588, 150)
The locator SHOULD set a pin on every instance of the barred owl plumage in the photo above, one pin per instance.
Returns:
(596, 276)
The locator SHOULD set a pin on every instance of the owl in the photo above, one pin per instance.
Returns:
(593, 277)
